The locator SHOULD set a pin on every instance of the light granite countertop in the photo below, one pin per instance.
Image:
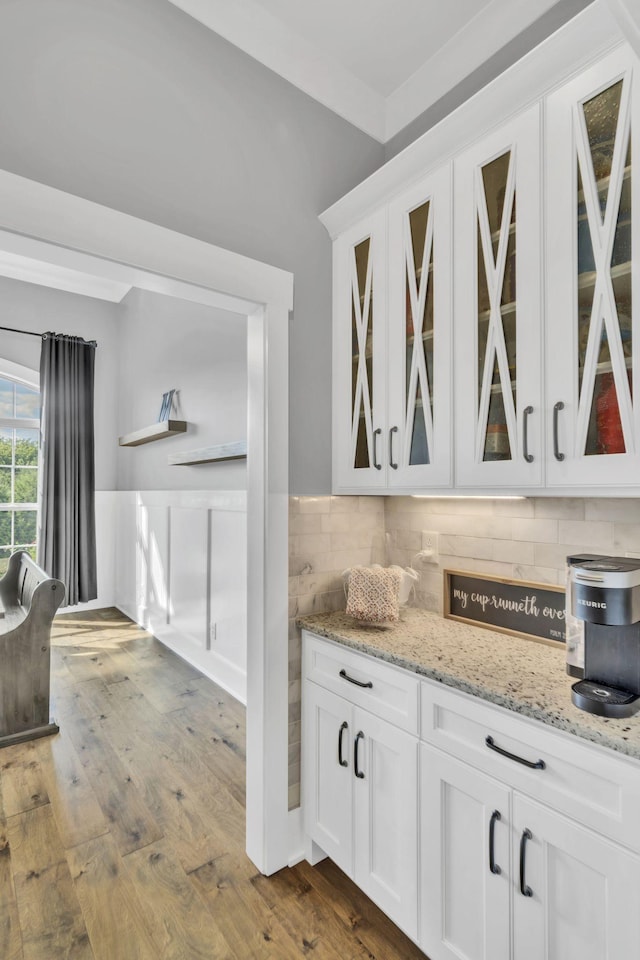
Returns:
(521, 675)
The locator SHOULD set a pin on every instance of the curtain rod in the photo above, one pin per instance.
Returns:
(43, 336)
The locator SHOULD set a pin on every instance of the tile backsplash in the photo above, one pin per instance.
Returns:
(526, 539)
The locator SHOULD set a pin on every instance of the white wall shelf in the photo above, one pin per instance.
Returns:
(157, 431)
(222, 451)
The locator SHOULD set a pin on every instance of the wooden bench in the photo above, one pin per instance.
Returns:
(30, 599)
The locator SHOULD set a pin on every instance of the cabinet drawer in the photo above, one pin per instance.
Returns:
(589, 783)
(388, 692)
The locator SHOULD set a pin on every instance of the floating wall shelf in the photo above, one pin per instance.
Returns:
(157, 431)
(222, 451)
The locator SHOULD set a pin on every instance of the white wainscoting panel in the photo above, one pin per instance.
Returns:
(188, 612)
(181, 573)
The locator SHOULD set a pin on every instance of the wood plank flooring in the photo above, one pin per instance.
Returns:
(122, 838)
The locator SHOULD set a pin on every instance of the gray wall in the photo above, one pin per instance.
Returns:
(135, 105)
(165, 343)
(29, 307)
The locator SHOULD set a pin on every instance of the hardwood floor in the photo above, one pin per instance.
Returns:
(123, 836)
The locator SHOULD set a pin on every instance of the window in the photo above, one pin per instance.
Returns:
(19, 457)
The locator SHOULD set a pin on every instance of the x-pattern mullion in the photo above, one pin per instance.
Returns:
(418, 371)
(362, 319)
(494, 273)
(604, 310)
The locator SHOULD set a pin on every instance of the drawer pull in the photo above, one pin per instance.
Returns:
(359, 774)
(538, 765)
(493, 866)
(524, 889)
(341, 761)
(358, 683)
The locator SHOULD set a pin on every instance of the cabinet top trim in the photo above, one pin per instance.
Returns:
(593, 32)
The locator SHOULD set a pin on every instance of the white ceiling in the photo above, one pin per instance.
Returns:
(377, 63)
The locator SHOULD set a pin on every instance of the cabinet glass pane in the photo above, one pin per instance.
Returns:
(419, 334)
(604, 335)
(497, 318)
(362, 353)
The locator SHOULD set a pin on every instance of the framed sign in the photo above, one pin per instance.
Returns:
(524, 609)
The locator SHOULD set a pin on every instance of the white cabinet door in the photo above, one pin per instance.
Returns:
(419, 335)
(497, 307)
(328, 773)
(583, 891)
(592, 352)
(359, 357)
(465, 830)
(386, 817)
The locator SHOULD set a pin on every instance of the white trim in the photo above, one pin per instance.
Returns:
(497, 24)
(71, 230)
(15, 371)
(571, 49)
(270, 41)
(17, 267)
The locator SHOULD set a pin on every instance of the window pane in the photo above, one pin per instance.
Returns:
(26, 485)
(5, 527)
(6, 447)
(6, 398)
(4, 561)
(27, 448)
(27, 403)
(5, 484)
(25, 526)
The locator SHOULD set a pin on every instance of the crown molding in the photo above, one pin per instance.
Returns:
(267, 39)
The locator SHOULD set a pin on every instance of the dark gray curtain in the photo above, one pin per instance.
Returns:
(67, 541)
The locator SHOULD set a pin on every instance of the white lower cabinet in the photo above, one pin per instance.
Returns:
(465, 827)
(576, 894)
(360, 788)
(526, 852)
(485, 847)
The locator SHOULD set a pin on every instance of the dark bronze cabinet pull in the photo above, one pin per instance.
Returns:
(524, 889)
(358, 683)
(394, 466)
(345, 726)
(493, 866)
(533, 765)
(359, 774)
(556, 448)
(525, 434)
(376, 434)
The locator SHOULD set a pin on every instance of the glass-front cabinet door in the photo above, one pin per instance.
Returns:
(497, 308)
(359, 357)
(419, 336)
(593, 265)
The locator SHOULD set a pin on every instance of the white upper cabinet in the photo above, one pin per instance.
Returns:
(484, 331)
(359, 356)
(497, 303)
(392, 345)
(592, 341)
(419, 335)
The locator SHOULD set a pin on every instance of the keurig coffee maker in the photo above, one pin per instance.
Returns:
(604, 594)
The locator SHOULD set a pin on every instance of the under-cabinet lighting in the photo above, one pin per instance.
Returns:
(435, 496)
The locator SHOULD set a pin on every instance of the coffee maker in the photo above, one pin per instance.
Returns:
(603, 634)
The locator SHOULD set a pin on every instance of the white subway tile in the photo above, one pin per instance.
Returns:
(536, 531)
(513, 551)
(559, 508)
(626, 538)
(312, 543)
(466, 547)
(314, 504)
(523, 571)
(513, 508)
(593, 534)
(625, 510)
